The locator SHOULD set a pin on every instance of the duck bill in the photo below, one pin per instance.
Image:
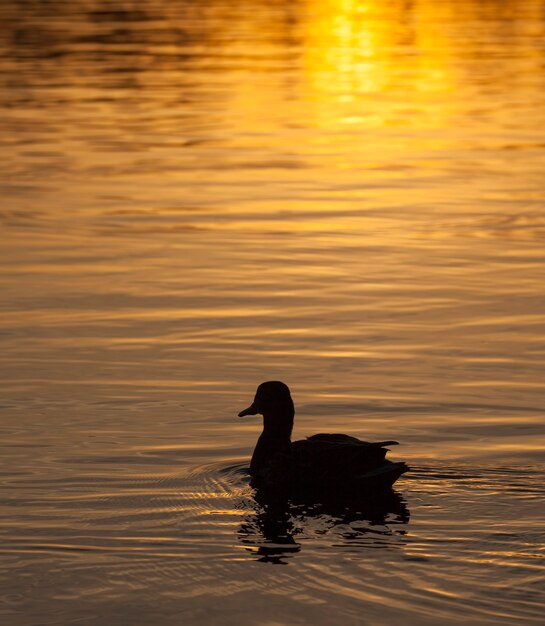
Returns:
(251, 410)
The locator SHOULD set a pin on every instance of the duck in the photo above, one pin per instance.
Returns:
(326, 460)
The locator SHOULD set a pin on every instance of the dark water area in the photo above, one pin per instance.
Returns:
(199, 196)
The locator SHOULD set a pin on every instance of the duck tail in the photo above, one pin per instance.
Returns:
(383, 476)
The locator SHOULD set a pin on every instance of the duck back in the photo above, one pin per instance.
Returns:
(337, 459)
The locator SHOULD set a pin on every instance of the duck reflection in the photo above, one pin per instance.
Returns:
(278, 525)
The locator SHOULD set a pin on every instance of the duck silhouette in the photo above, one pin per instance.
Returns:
(321, 462)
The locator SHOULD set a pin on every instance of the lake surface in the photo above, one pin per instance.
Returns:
(199, 196)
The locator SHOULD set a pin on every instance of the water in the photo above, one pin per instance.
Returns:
(197, 197)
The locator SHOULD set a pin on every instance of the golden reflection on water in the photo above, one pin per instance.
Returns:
(310, 186)
(349, 184)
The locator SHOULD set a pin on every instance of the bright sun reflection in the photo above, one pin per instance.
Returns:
(353, 49)
(341, 48)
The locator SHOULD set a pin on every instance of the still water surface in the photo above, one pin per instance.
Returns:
(199, 196)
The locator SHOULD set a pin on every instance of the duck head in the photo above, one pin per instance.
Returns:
(273, 401)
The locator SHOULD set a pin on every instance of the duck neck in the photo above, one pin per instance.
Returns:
(275, 438)
(278, 424)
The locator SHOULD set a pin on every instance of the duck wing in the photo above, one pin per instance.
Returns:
(335, 458)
